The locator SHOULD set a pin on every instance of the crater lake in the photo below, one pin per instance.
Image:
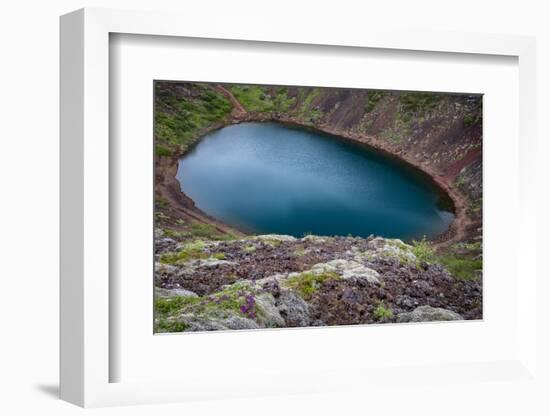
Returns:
(272, 178)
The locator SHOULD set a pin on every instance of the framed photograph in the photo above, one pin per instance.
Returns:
(321, 202)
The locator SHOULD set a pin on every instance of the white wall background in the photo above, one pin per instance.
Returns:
(29, 185)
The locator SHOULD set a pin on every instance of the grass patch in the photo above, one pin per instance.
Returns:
(163, 150)
(423, 250)
(273, 242)
(461, 267)
(239, 299)
(418, 102)
(306, 284)
(249, 248)
(208, 231)
(178, 117)
(178, 235)
(373, 98)
(382, 312)
(161, 202)
(191, 251)
(167, 306)
(299, 251)
(164, 325)
(255, 98)
(308, 95)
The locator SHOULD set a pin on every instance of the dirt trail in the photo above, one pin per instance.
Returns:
(238, 111)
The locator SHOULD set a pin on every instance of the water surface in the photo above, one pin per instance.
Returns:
(272, 178)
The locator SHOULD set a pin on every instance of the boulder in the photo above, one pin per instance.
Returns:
(293, 309)
(216, 322)
(427, 313)
(267, 314)
(276, 237)
(348, 269)
(170, 293)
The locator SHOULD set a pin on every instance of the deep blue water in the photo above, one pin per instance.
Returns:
(272, 178)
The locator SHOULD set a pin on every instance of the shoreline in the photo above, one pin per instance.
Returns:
(168, 186)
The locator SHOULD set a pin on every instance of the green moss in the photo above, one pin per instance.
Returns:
(219, 256)
(249, 248)
(306, 284)
(273, 242)
(237, 299)
(167, 306)
(299, 251)
(178, 235)
(191, 251)
(164, 325)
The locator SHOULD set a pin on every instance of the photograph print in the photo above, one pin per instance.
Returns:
(292, 206)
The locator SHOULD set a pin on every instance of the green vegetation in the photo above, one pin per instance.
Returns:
(423, 250)
(208, 231)
(237, 299)
(163, 150)
(164, 325)
(258, 99)
(299, 251)
(308, 95)
(161, 202)
(461, 265)
(397, 133)
(167, 306)
(307, 283)
(191, 251)
(382, 312)
(273, 242)
(471, 119)
(250, 248)
(178, 119)
(373, 98)
(411, 103)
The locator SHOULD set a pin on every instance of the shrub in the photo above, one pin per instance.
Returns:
(382, 312)
(423, 250)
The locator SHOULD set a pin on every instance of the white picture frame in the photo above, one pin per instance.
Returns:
(86, 356)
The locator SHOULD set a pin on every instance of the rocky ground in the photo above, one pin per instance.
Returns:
(275, 281)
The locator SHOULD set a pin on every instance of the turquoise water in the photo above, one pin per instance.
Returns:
(272, 178)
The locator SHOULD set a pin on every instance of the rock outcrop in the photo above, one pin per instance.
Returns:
(277, 281)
